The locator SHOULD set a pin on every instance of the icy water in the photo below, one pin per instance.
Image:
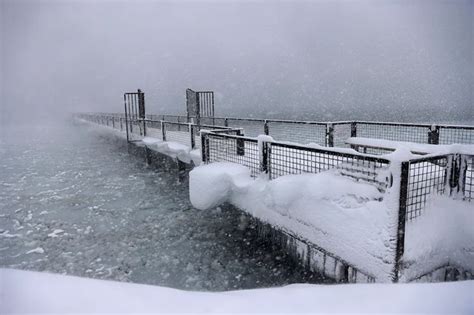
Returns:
(77, 203)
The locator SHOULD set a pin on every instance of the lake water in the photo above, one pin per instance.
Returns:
(77, 203)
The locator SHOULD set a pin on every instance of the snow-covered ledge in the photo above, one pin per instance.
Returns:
(349, 219)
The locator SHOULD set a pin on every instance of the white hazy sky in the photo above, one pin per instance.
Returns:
(388, 60)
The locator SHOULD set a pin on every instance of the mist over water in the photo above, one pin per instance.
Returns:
(320, 60)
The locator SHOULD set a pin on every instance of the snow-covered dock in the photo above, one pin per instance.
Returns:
(402, 213)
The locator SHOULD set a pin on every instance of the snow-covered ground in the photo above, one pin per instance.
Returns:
(33, 292)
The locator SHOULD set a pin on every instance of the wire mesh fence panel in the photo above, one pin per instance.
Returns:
(395, 132)
(450, 135)
(177, 132)
(342, 131)
(469, 178)
(251, 128)
(290, 159)
(135, 131)
(229, 149)
(214, 121)
(303, 133)
(426, 177)
(153, 129)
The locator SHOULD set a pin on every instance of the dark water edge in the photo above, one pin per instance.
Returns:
(78, 202)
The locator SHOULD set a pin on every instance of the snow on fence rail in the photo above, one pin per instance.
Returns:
(424, 176)
(280, 158)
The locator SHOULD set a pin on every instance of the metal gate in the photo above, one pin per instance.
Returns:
(199, 105)
(134, 103)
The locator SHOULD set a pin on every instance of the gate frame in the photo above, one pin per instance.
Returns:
(135, 102)
(202, 106)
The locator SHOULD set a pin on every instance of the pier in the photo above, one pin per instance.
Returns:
(413, 167)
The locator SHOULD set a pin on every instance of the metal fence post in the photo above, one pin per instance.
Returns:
(264, 157)
(269, 160)
(204, 147)
(191, 133)
(402, 210)
(329, 135)
(163, 131)
(354, 134)
(353, 129)
(126, 116)
(433, 135)
(457, 175)
(240, 144)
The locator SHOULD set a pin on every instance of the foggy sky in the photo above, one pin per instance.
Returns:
(386, 60)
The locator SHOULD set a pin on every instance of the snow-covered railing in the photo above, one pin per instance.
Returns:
(335, 133)
(116, 121)
(418, 180)
(410, 186)
(263, 155)
(184, 133)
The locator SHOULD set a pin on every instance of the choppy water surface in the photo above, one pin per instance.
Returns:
(76, 203)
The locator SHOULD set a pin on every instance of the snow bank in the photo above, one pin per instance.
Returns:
(346, 217)
(174, 150)
(443, 233)
(213, 183)
(34, 292)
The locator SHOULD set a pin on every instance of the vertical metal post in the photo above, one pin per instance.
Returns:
(265, 128)
(198, 110)
(402, 210)
(126, 115)
(212, 100)
(163, 131)
(204, 147)
(240, 144)
(329, 135)
(433, 135)
(269, 160)
(354, 134)
(264, 157)
(457, 175)
(142, 111)
(191, 133)
(353, 129)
